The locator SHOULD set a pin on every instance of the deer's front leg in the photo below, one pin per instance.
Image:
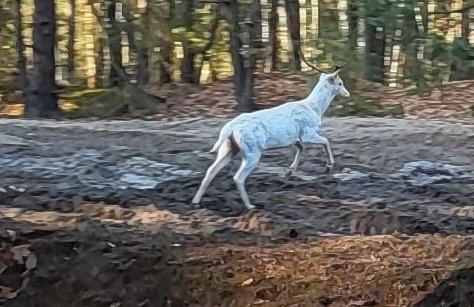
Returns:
(296, 161)
(317, 139)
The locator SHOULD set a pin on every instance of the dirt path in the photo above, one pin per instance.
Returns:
(111, 199)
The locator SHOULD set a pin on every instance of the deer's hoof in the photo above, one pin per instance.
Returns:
(250, 207)
(195, 203)
(329, 168)
(289, 173)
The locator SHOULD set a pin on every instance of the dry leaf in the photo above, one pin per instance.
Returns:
(3, 267)
(363, 303)
(19, 252)
(31, 262)
(7, 292)
(12, 234)
(247, 282)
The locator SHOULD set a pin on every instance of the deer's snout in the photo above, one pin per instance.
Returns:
(345, 93)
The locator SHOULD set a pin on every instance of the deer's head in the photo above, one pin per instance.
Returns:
(335, 83)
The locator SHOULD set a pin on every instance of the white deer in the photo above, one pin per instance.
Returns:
(292, 123)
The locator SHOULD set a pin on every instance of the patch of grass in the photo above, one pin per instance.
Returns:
(79, 103)
(87, 103)
(83, 93)
(11, 110)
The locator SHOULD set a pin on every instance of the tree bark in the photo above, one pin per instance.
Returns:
(166, 43)
(142, 69)
(465, 22)
(188, 72)
(213, 30)
(71, 38)
(22, 81)
(242, 59)
(41, 98)
(139, 48)
(293, 13)
(100, 77)
(257, 20)
(273, 25)
(353, 20)
(375, 48)
(115, 45)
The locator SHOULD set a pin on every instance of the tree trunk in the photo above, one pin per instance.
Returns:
(375, 48)
(100, 77)
(71, 38)
(273, 25)
(242, 59)
(165, 42)
(22, 81)
(465, 21)
(41, 99)
(257, 20)
(143, 76)
(115, 41)
(353, 21)
(188, 72)
(293, 13)
(205, 55)
(139, 48)
(142, 69)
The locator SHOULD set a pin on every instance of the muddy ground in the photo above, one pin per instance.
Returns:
(105, 207)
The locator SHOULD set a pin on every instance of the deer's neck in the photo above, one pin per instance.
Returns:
(320, 98)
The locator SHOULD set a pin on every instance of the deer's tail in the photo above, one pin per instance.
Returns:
(225, 133)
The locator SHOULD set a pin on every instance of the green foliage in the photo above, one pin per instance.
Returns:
(331, 45)
(462, 50)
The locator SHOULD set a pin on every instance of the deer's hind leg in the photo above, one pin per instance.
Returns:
(296, 161)
(224, 155)
(321, 140)
(249, 162)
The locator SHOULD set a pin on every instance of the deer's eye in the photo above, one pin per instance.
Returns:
(340, 84)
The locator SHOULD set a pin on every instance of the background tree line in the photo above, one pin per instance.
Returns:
(141, 44)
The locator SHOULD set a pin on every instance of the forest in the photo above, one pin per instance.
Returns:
(123, 181)
(130, 49)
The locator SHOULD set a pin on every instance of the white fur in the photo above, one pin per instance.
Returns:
(292, 123)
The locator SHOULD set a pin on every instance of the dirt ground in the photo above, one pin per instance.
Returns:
(97, 213)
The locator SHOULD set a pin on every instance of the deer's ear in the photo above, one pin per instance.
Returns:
(331, 79)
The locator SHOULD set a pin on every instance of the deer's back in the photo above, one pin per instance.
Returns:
(275, 127)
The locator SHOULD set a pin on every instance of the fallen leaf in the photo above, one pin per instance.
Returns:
(3, 267)
(19, 252)
(24, 283)
(127, 265)
(363, 303)
(12, 234)
(31, 262)
(7, 292)
(247, 282)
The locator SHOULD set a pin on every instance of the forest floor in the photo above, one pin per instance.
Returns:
(97, 213)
